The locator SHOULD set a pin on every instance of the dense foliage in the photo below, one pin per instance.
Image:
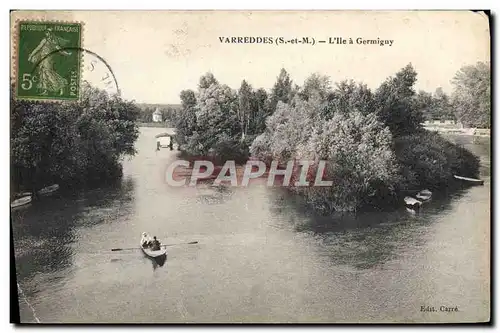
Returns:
(436, 106)
(395, 104)
(219, 121)
(373, 141)
(472, 95)
(428, 160)
(70, 143)
(469, 103)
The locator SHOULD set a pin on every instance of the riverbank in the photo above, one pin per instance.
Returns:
(482, 132)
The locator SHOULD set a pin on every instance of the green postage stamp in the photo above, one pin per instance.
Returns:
(48, 60)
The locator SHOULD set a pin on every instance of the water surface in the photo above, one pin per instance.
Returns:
(258, 257)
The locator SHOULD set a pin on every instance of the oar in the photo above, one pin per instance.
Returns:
(179, 244)
(136, 248)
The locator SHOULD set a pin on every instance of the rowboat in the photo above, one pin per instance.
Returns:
(21, 202)
(470, 180)
(411, 211)
(153, 254)
(48, 189)
(424, 195)
(412, 203)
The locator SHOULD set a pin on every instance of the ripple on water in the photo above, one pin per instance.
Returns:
(259, 257)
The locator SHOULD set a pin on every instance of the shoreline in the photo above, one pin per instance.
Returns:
(476, 132)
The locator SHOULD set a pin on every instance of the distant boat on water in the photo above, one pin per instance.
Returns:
(424, 195)
(23, 201)
(49, 189)
(470, 180)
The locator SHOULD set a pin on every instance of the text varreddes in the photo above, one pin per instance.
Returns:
(306, 40)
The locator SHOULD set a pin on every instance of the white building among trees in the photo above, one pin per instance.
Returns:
(157, 116)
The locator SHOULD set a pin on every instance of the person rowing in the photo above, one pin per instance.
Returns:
(156, 245)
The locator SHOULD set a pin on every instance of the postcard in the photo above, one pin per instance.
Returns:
(250, 166)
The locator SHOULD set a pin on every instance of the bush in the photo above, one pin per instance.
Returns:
(428, 160)
(361, 163)
(72, 142)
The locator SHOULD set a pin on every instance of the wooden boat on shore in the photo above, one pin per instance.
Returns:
(470, 180)
(412, 203)
(49, 189)
(424, 195)
(411, 211)
(162, 252)
(21, 202)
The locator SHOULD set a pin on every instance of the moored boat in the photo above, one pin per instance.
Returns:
(470, 180)
(412, 203)
(424, 195)
(150, 253)
(21, 202)
(49, 189)
(411, 211)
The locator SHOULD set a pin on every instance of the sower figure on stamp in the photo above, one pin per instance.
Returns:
(48, 78)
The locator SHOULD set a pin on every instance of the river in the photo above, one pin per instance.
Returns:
(258, 258)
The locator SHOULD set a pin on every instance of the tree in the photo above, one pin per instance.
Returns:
(72, 142)
(349, 96)
(219, 121)
(444, 109)
(315, 84)
(435, 106)
(186, 122)
(373, 144)
(361, 162)
(38, 143)
(207, 80)
(472, 94)
(286, 129)
(188, 99)
(245, 112)
(258, 104)
(426, 103)
(357, 148)
(215, 115)
(106, 127)
(427, 160)
(281, 91)
(395, 103)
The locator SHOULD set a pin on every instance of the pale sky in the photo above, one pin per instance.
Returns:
(156, 54)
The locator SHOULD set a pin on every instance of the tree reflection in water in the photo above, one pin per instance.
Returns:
(365, 239)
(44, 232)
